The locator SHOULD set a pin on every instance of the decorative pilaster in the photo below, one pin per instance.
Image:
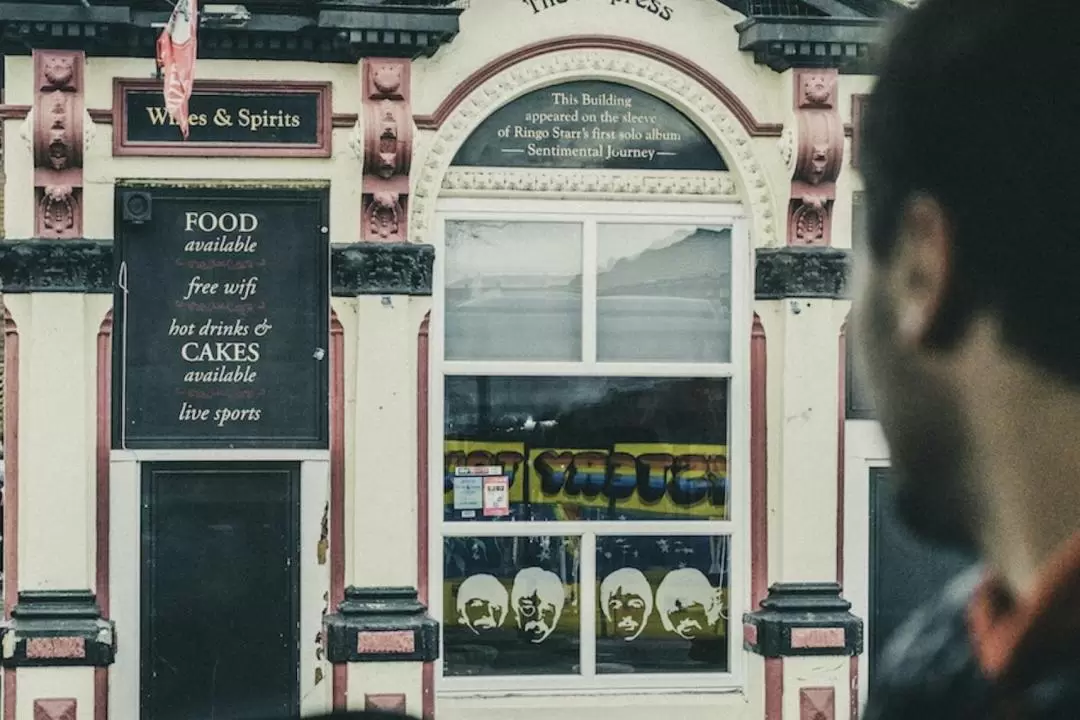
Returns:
(58, 142)
(381, 625)
(803, 619)
(58, 628)
(388, 134)
(817, 158)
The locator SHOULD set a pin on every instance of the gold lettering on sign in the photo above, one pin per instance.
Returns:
(56, 648)
(397, 642)
(250, 119)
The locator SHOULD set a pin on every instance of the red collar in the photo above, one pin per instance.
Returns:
(1015, 637)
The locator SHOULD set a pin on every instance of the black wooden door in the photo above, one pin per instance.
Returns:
(904, 571)
(220, 615)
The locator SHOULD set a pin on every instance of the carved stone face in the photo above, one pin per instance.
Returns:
(817, 88)
(819, 161)
(59, 70)
(387, 78)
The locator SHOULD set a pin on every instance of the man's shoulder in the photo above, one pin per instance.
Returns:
(929, 667)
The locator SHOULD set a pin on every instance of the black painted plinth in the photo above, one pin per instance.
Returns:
(801, 272)
(381, 269)
(799, 619)
(86, 266)
(381, 625)
(57, 628)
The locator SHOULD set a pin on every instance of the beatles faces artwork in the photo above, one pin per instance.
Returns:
(688, 605)
(537, 599)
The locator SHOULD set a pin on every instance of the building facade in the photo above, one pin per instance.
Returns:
(477, 359)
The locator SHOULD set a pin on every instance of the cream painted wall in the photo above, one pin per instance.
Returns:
(49, 683)
(57, 433)
(816, 672)
(386, 679)
(803, 385)
(699, 30)
(383, 442)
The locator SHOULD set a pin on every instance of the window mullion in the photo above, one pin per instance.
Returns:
(588, 292)
(587, 609)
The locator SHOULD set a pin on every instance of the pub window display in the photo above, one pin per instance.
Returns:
(579, 464)
(517, 606)
(662, 604)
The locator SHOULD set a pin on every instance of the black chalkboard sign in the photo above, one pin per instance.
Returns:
(589, 124)
(222, 319)
(226, 119)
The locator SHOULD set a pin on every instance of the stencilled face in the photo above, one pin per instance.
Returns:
(482, 615)
(536, 618)
(690, 620)
(627, 613)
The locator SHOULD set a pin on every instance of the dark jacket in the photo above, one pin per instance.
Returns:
(929, 672)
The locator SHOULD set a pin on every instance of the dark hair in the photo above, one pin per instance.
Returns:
(977, 104)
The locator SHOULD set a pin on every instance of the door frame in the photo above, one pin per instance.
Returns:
(865, 451)
(148, 477)
(125, 568)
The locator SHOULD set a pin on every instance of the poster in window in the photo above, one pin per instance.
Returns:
(662, 604)
(477, 456)
(511, 606)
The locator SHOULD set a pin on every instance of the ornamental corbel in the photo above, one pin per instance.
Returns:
(386, 141)
(818, 139)
(56, 125)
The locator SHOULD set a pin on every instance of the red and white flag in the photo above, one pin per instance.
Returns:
(176, 57)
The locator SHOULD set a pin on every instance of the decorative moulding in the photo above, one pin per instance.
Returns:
(55, 709)
(818, 703)
(818, 154)
(58, 143)
(719, 187)
(669, 83)
(387, 136)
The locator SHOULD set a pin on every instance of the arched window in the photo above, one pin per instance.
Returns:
(590, 398)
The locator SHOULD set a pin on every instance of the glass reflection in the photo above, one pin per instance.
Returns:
(587, 448)
(663, 293)
(513, 290)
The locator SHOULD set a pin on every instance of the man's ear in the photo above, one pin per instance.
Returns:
(921, 268)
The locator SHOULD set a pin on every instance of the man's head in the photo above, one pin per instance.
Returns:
(969, 155)
(626, 600)
(538, 597)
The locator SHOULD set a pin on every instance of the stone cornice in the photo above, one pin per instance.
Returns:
(313, 30)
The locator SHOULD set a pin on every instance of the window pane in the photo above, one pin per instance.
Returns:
(584, 448)
(662, 604)
(663, 293)
(513, 291)
(511, 606)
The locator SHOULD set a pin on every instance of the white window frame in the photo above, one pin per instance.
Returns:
(737, 371)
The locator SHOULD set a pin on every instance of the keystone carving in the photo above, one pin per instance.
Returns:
(58, 120)
(817, 158)
(387, 137)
